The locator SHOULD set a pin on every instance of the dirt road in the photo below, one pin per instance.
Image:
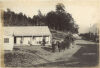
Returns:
(86, 55)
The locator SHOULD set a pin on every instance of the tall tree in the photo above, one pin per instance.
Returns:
(60, 19)
(60, 7)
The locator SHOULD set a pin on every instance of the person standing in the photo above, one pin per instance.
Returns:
(58, 44)
(53, 45)
(44, 41)
(67, 42)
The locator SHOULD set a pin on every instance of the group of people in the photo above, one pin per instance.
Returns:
(62, 44)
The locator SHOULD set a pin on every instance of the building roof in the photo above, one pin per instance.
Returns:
(27, 30)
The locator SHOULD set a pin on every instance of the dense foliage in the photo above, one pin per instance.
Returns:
(58, 19)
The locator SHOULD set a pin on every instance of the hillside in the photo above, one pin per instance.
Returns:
(58, 35)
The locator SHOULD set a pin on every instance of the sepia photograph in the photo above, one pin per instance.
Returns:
(49, 33)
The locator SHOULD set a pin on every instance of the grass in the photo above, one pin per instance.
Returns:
(19, 58)
(35, 56)
(29, 56)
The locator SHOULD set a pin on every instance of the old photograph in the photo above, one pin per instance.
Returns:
(49, 33)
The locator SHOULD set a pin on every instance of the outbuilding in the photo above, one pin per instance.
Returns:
(26, 36)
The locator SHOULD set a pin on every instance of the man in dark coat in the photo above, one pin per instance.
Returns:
(58, 44)
(67, 42)
(53, 45)
(44, 41)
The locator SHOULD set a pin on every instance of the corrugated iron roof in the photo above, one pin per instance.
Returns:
(27, 30)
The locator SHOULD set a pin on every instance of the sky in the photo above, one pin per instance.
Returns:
(85, 12)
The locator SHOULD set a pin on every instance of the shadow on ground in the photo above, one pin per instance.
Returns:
(49, 49)
(88, 55)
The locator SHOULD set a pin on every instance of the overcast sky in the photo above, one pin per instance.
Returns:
(84, 12)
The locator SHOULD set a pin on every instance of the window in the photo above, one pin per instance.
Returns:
(6, 40)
